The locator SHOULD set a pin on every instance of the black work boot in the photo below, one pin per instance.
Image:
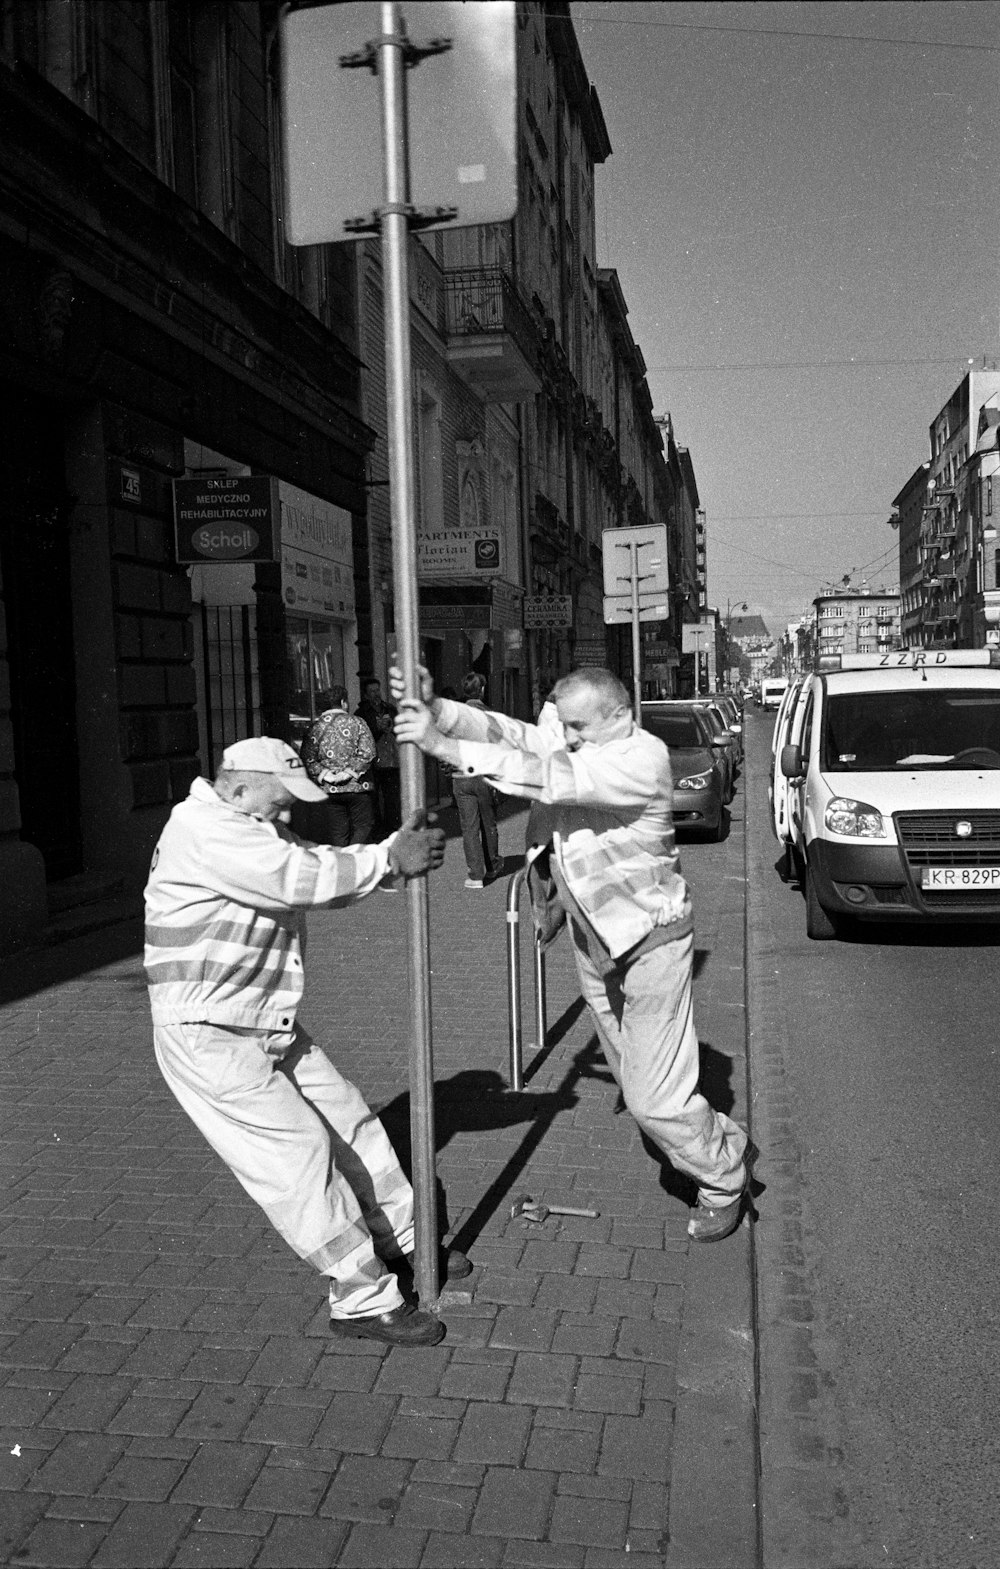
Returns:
(400, 1326)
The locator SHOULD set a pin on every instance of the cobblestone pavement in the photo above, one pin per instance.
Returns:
(169, 1391)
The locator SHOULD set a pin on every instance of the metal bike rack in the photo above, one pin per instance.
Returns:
(514, 888)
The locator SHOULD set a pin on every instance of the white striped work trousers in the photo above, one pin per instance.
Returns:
(645, 1018)
(306, 1147)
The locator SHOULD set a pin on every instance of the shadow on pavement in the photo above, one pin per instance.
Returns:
(477, 1100)
(34, 969)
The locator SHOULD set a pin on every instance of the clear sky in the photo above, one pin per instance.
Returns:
(803, 206)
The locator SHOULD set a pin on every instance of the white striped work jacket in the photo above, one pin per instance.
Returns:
(610, 815)
(225, 902)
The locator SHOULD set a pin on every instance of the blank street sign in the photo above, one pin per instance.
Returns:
(618, 608)
(462, 113)
(650, 541)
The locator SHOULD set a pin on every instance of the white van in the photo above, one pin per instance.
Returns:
(772, 690)
(894, 788)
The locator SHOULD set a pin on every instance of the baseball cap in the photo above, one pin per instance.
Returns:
(262, 754)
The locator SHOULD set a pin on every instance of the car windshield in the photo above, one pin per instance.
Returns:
(878, 732)
(678, 729)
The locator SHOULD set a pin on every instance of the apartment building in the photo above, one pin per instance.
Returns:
(947, 557)
(857, 621)
(908, 517)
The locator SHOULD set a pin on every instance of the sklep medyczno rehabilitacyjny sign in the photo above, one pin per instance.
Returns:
(226, 517)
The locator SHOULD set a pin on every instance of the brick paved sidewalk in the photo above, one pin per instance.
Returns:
(169, 1392)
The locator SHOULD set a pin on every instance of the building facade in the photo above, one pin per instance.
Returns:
(156, 327)
(195, 542)
(851, 621)
(947, 563)
(908, 517)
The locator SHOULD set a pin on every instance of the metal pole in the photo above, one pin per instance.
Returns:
(514, 980)
(636, 675)
(395, 274)
(541, 1018)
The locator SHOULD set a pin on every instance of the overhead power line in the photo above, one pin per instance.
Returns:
(766, 517)
(830, 364)
(785, 32)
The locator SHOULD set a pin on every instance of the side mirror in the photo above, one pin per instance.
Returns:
(791, 762)
(720, 740)
(736, 729)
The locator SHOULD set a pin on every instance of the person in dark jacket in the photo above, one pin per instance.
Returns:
(477, 811)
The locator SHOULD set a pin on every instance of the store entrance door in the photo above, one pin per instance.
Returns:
(35, 563)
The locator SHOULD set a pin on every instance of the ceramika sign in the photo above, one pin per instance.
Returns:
(226, 517)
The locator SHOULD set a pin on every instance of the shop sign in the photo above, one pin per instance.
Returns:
(317, 565)
(225, 517)
(590, 651)
(548, 610)
(453, 618)
(459, 552)
(506, 605)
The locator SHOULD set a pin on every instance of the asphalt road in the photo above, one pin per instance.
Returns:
(881, 1072)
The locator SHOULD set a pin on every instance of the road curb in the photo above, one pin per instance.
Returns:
(714, 1481)
(803, 1509)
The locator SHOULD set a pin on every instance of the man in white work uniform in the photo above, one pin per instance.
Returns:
(609, 834)
(225, 923)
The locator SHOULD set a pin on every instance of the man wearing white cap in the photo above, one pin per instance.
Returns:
(225, 923)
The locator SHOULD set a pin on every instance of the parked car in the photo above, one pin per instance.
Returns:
(894, 788)
(726, 702)
(724, 729)
(721, 738)
(699, 774)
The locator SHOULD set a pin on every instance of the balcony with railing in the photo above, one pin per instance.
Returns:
(492, 339)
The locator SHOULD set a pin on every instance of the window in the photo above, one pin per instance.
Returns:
(193, 88)
(429, 466)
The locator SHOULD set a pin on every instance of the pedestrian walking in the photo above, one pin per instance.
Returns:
(225, 925)
(375, 711)
(339, 752)
(387, 779)
(476, 803)
(606, 845)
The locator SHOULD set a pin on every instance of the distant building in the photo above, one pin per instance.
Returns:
(857, 621)
(946, 564)
(908, 518)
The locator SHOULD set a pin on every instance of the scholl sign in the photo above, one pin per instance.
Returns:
(226, 517)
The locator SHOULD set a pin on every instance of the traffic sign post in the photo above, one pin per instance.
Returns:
(328, 199)
(634, 557)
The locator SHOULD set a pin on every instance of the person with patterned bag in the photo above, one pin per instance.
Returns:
(338, 751)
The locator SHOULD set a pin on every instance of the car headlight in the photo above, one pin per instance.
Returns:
(694, 781)
(857, 818)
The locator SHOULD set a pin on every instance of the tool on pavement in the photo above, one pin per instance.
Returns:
(534, 1209)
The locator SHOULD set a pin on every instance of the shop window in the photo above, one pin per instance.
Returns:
(315, 655)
